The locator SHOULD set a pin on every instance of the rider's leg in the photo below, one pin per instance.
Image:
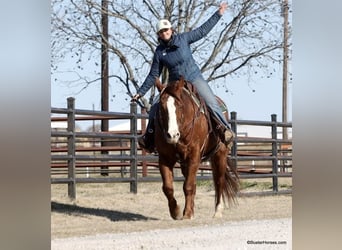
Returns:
(225, 133)
(223, 127)
(147, 140)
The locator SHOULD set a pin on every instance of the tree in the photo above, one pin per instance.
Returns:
(248, 40)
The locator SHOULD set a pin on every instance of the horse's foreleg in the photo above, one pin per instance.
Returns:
(167, 176)
(189, 188)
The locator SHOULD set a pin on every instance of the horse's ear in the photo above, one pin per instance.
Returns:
(159, 85)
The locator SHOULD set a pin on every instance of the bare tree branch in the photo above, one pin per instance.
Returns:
(246, 39)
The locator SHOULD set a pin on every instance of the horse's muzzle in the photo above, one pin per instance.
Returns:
(172, 137)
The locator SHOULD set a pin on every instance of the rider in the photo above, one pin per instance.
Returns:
(175, 54)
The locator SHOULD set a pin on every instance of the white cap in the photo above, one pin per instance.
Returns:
(163, 24)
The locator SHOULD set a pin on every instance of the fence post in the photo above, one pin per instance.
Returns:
(134, 169)
(233, 125)
(71, 148)
(274, 153)
(143, 129)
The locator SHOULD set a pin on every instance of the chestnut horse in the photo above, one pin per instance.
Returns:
(183, 134)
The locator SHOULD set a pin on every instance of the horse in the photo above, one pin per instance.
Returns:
(183, 134)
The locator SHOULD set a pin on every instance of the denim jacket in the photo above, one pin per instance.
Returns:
(176, 55)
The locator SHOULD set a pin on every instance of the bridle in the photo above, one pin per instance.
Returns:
(198, 108)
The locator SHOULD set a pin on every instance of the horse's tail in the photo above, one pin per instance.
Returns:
(226, 183)
(231, 184)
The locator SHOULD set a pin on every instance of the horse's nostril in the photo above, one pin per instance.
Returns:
(168, 135)
(178, 134)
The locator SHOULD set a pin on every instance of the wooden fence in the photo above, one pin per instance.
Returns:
(78, 157)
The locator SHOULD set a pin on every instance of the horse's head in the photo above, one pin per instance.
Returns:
(170, 109)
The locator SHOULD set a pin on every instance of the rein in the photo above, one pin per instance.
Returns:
(191, 123)
(197, 113)
(201, 108)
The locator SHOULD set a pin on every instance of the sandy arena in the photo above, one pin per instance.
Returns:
(108, 216)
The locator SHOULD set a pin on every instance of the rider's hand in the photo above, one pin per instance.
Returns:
(135, 98)
(223, 7)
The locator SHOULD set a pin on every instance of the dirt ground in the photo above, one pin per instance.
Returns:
(111, 209)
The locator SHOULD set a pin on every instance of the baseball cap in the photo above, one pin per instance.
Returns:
(163, 24)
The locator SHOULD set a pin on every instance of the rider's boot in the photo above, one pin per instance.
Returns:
(147, 140)
(225, 134)
(229, 137)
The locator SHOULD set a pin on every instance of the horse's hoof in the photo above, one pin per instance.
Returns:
(176, 215)
(188, 217)
(218, 211)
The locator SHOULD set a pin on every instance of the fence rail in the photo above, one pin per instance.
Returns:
(78, 157)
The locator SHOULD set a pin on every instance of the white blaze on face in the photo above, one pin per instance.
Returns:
(173, 132)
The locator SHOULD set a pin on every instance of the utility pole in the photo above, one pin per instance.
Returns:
(104, 76)
(104, 63)
(285, 12)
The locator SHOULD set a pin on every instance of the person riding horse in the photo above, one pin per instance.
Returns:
(174, 53)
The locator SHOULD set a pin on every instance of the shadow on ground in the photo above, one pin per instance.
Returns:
(110, 214)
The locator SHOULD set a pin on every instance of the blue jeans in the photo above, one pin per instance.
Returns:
(207, 94)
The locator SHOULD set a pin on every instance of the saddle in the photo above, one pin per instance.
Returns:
(191, 89)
